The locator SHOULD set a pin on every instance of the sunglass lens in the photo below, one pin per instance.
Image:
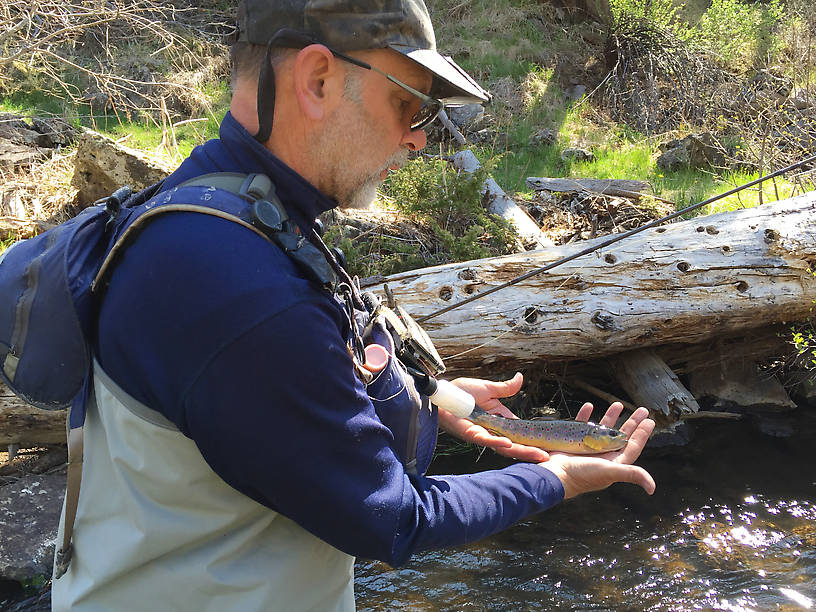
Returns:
(425, 115)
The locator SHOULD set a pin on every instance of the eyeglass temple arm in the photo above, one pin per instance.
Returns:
(424, 97)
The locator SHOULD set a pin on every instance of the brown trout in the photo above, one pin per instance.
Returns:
(568, 436)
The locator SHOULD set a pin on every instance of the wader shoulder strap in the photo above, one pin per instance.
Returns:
(256, 187)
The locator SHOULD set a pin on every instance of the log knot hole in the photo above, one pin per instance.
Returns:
(446, 293)
(771, 235)
(683, 266)
(468, 274)
(530, 314)
(603, 321)
(610, 259)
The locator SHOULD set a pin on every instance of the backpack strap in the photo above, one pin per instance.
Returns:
(269, 221)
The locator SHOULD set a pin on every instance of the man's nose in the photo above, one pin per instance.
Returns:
(415, 140)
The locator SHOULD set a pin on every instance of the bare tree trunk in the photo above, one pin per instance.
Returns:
(684, 283)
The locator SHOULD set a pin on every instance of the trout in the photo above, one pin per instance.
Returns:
(575, 437)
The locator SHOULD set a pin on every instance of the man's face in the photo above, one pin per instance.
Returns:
(369, 133)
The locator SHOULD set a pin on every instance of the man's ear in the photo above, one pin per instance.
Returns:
(318, 81)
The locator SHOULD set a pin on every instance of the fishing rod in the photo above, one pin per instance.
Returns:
(613, 240)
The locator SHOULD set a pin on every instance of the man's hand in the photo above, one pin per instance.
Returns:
(486, 394)
(581, 474)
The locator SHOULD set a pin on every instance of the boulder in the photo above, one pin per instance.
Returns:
(29, 516)
(543, 137)
(577, 154)
(693, 151)
(13, 155)
(466, 116)
(102, 166)
(46, 133)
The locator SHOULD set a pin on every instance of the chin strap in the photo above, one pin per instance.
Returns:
(266, 96)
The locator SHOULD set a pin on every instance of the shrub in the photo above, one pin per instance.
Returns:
(446, 222)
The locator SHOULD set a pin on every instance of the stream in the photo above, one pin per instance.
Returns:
(732, 526)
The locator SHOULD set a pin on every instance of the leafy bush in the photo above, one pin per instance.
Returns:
(739, 31)
(661, 14)
(447, 222)
(450, 205)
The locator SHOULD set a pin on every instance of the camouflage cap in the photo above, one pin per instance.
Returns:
(352, 25)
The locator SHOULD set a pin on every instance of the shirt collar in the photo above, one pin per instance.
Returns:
(237, 151)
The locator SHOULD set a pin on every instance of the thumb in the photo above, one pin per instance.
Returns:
(634, 474)
(506, 388)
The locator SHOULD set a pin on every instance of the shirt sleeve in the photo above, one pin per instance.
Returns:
(279, 414)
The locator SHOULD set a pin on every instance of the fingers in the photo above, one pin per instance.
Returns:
(524, 453)
(584, 413)
(612, 413)
(502, 410)
(637, 441)
(633, 421)
(482, 437)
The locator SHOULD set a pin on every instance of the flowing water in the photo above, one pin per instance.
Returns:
(732, 526)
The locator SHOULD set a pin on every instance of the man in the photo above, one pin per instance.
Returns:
(233, 457)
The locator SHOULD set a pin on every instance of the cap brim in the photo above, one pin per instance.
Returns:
(452, 85)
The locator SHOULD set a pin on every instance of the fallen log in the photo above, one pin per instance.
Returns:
(650, 382)
(614, 187)
(499, 203)
(24, 425)
(682, 283)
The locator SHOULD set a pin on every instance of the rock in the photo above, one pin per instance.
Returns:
(47, 133)
(543, 137)
(673, 159)
(466, 116)
(17, 155)
(801, 101)
(800, 134)
(577, 154)
(765, 80)
(739, 383)
(29, 516)
(53, 132)
(102, 166)
(693, 151)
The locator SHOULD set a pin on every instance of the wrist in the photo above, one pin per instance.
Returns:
(554, 468)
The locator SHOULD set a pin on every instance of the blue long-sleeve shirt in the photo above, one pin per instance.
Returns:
(215, 328)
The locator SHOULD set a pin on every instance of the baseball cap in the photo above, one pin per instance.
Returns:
(353, 25)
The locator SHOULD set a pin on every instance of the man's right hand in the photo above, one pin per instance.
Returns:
(581, 474)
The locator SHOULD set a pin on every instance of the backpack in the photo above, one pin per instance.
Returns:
(51, 286)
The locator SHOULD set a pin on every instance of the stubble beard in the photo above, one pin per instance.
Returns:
(351, 185)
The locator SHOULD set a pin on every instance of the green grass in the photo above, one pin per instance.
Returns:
(145, 132)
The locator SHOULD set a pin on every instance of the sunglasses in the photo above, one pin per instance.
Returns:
(431, 107)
